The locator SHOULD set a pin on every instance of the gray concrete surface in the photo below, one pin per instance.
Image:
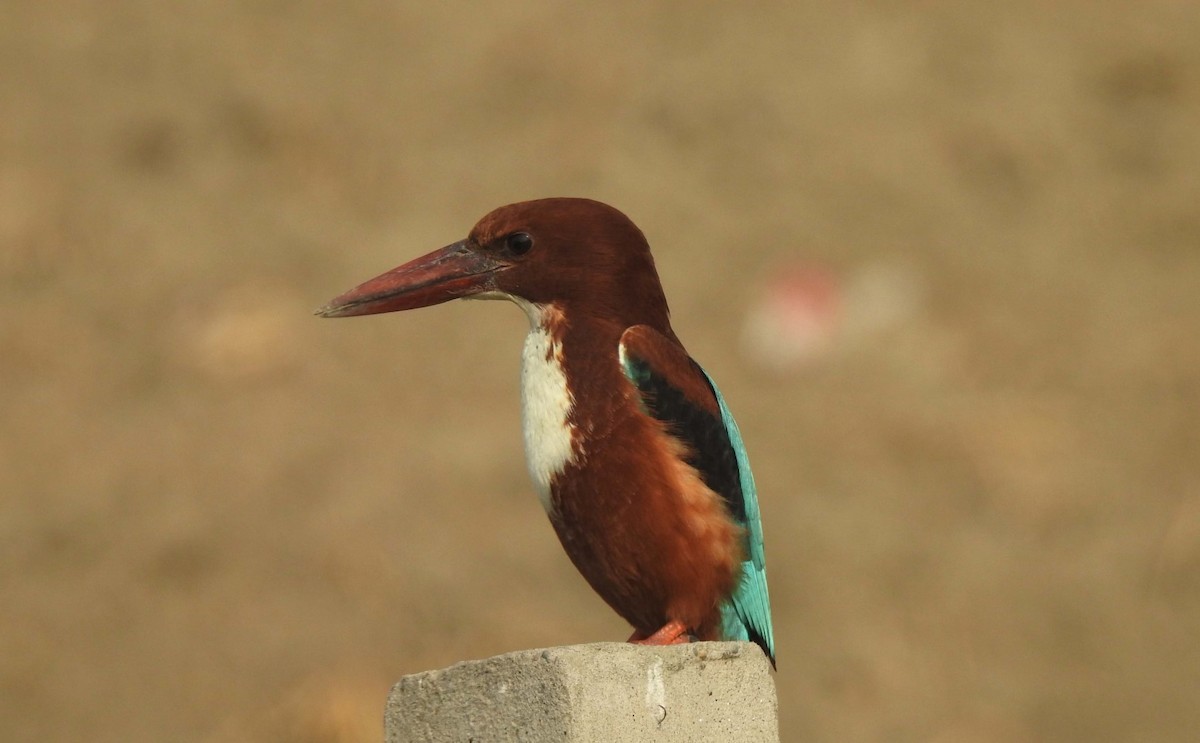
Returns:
(613, 692)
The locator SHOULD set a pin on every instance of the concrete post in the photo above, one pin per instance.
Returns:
(607, 692)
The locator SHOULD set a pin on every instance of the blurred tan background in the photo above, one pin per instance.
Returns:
(222, 519)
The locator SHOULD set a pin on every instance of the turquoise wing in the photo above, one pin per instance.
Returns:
(747, 615)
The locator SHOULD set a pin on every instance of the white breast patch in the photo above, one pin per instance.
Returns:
(546, 404)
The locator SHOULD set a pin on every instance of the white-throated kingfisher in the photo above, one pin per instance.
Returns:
(631, 448)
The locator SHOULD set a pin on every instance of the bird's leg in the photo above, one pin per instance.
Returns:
(672, 633)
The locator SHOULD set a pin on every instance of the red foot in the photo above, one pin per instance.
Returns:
(672, 633)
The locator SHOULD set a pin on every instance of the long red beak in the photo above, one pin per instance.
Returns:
(452, 272)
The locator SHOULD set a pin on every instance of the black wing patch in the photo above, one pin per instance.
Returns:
(709, 449)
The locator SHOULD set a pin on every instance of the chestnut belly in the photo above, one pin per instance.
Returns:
(657, 547)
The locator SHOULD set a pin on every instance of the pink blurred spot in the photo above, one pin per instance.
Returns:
(805, 313)
(795, 319)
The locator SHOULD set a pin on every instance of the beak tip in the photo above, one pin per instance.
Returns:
(328, 310)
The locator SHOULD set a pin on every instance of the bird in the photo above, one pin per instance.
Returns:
(631, 448)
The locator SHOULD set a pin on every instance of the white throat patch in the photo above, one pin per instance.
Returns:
(546, 403)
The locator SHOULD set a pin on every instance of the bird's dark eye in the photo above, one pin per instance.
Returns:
(519, 243)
